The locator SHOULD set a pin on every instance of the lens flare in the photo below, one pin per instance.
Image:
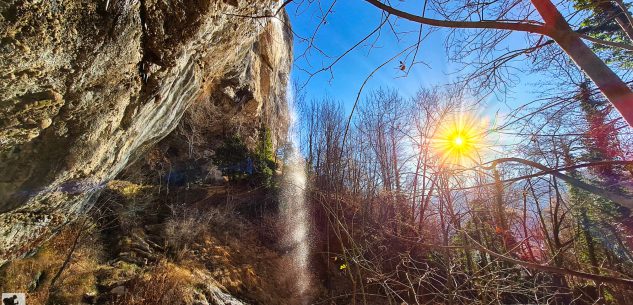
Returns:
(460, 140)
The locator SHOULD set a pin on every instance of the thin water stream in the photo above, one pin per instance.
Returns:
(295, 211)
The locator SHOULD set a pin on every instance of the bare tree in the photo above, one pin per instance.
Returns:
(552, 25)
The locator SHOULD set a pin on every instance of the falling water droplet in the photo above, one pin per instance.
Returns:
(295, 212)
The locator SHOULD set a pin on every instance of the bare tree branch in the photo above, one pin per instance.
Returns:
(525, 26)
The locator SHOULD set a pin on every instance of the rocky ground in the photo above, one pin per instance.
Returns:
(143, 245)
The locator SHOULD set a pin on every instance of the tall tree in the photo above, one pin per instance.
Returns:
(609, 21)
(552, 25)
(601, 137)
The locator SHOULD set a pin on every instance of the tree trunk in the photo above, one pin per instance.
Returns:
(591, 247)
(609, 83)
(557, 28)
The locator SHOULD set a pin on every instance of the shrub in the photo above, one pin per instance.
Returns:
(233, 158)
(187, 224)
(165, 283)
(34, 274)
(265, 164)
(237, 162)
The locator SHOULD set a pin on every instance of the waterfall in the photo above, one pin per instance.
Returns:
(295, 212)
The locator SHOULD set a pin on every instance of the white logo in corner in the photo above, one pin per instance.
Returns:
(13, 298)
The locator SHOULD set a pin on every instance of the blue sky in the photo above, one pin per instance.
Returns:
(349, 23)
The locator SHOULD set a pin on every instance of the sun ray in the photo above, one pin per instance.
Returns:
(460, 140)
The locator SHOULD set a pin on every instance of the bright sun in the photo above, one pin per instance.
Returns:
(459, 141)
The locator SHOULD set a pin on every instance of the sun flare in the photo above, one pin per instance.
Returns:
(459, 141)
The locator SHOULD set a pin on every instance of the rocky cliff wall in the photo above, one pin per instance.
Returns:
(248, 100)
(88, 86)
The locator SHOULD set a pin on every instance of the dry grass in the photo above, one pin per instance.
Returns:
(165, 283)
(184, 227)
(30, 274)
(187, 224)
(207, 243)
(34, 274)
(117, 273)
(238, 260)
(131, 202)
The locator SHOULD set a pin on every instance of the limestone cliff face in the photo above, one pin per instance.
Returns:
(249, 99)
(87, 86)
